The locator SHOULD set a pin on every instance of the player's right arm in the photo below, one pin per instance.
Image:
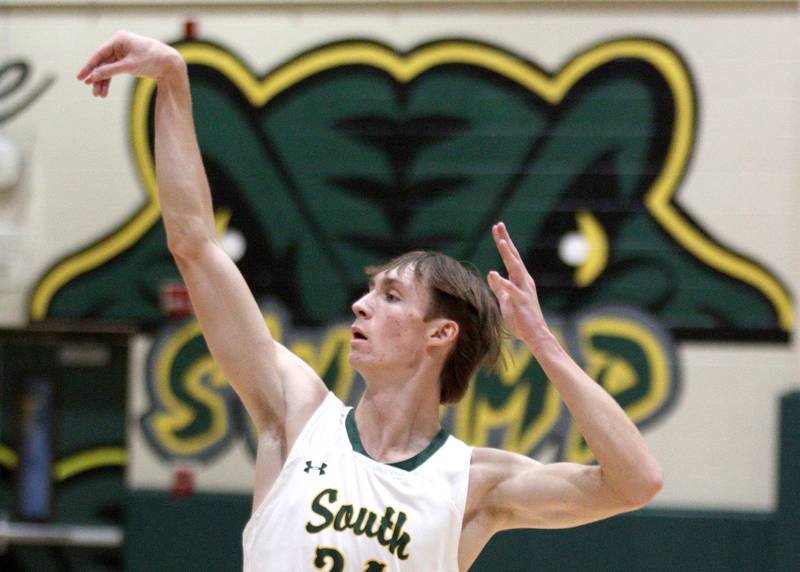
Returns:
(278, 390)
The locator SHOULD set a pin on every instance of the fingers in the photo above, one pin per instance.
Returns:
(100, 88)
(107, 70)
(499, 285)
(104, 85)
(511, 258)
(98, 72)
(105, 52)
(496, 281)
(501, 233)
(106, 62)
(504, 290)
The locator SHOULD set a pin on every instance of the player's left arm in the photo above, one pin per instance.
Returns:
(524, 493)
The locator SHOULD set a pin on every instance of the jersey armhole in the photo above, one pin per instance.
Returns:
(463, 489)
(312, 421)
(301, 438)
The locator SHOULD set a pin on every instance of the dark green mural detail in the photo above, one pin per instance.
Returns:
(348, 165)
(125, 288)
(648, 270)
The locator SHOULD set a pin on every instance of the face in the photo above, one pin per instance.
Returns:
(390, 334)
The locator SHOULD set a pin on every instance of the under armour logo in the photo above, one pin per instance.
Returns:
(309, 466)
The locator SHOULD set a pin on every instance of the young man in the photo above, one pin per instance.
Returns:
(380, 487)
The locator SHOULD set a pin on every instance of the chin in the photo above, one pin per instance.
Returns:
(357, 362)
(353, 360)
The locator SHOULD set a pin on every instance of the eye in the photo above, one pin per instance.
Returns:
(586, 250)
(390, 297)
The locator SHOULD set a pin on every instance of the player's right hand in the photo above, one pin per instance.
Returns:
(131, 54)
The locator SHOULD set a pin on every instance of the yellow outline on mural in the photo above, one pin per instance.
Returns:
(74, 464)
(404, 68)
(172, 414)
(596, 360)
(8, 457)
(593, 232)
(88, 460)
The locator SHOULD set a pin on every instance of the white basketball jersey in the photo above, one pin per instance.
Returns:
(333, 508)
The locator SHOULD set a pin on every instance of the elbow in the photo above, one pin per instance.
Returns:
(173, 62)
(186, 244)
(652, 485)
(648, 484)
(182, 250)
(638, 488)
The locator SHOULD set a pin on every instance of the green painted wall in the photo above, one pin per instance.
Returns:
(787, 518)
(204, 533)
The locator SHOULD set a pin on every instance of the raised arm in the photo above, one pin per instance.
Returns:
(520, 492)
(278, 390)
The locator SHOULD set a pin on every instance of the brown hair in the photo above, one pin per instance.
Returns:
(458, 293)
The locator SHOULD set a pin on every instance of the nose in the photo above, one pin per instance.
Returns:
(361, 307)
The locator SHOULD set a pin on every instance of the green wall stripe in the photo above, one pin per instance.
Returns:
(788, 513)
(203, 532)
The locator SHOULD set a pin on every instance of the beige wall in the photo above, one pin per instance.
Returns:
(718, 443)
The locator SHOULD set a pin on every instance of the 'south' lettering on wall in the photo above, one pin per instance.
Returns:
(353, 152)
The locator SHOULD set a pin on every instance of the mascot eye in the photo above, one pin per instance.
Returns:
(585, 249)
(233, 243)
(573, 249)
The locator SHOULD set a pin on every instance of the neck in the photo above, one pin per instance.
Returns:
(396, 421)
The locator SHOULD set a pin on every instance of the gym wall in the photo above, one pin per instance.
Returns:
(642, 154)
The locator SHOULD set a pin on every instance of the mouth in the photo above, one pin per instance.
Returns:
(358, 334)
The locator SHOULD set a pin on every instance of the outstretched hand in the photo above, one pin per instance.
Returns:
(519, 302)
(127, 53)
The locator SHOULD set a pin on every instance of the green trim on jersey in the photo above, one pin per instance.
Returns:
(407, 465)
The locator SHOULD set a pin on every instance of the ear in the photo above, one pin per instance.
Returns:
(442, 332)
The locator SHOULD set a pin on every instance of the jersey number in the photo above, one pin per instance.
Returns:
(326, 555)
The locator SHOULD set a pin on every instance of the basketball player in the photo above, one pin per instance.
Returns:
(380, 487)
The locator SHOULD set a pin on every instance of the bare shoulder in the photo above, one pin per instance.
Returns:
(487, 457)
(489, 468)
(305, 391)
(290, 364)
(485, 514)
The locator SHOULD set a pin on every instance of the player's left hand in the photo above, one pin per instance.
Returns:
(519, 302)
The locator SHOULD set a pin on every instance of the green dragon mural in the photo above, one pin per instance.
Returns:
(353, 152)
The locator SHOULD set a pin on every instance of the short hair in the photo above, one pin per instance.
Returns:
(458, 293)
